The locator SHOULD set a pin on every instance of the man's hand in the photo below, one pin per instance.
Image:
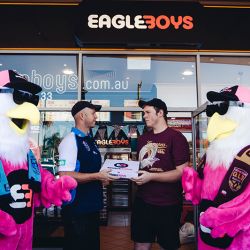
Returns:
(105, 177)
(143, 177)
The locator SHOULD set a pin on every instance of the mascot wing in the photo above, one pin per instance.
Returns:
(192, 185)
(229, 218)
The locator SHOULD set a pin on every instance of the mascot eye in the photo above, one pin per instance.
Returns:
(221, 108)
(20, 97)
(210, 110)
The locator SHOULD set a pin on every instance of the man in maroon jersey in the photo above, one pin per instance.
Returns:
(163, 153)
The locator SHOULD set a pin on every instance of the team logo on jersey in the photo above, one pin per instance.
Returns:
(22, 196)
(147, 155)
(237, 178)
(19, 206)
(85, 144)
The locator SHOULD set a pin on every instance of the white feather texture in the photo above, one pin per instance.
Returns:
(223, 151)
(13, 147)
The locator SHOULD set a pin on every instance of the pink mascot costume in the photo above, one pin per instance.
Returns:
(221, 188)
(23, 183)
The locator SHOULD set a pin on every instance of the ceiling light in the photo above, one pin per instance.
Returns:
(187, 72)
(68, 71)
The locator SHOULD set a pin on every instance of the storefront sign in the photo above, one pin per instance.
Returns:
(137, 23)
(162, 22)
(127, 24)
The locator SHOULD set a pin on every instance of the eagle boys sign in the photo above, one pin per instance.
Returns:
(140, 22)
(125, 23)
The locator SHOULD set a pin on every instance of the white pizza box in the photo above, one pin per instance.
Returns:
(122, 168)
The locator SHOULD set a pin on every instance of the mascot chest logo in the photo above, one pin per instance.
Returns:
(19, 204)
(237, 178)
(22, 196)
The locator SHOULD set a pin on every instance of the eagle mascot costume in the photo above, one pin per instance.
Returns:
(221, 184)
(24, 185)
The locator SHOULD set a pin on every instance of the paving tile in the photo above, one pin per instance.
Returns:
(118, 238)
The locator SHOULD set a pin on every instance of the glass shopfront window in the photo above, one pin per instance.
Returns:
(218, 72)
(54, 126)
(121, 79)
(56, 74)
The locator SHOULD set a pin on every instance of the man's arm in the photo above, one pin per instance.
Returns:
(169, 176)
(102, 176)
(68, 157)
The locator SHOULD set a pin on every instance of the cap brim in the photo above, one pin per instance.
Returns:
(97, 107)
(25, 86)
(213, 96)
(142, 103)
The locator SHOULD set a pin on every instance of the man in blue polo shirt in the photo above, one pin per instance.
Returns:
(80, 158)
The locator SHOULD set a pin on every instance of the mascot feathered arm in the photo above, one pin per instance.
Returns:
(192, 185)
(55, 191)
(230, 217)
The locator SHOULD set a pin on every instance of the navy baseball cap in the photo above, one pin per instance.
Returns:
(234, 93)
(155, 102)
(13, 80)
(80, 105)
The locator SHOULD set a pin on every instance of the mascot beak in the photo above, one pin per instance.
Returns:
(22, 115)
(220, 127)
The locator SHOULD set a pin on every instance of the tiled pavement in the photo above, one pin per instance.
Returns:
(116, 236)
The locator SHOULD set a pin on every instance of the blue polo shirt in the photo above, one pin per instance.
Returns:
(80, 149)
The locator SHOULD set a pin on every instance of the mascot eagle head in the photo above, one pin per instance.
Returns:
(228, 127)
(18, 99)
